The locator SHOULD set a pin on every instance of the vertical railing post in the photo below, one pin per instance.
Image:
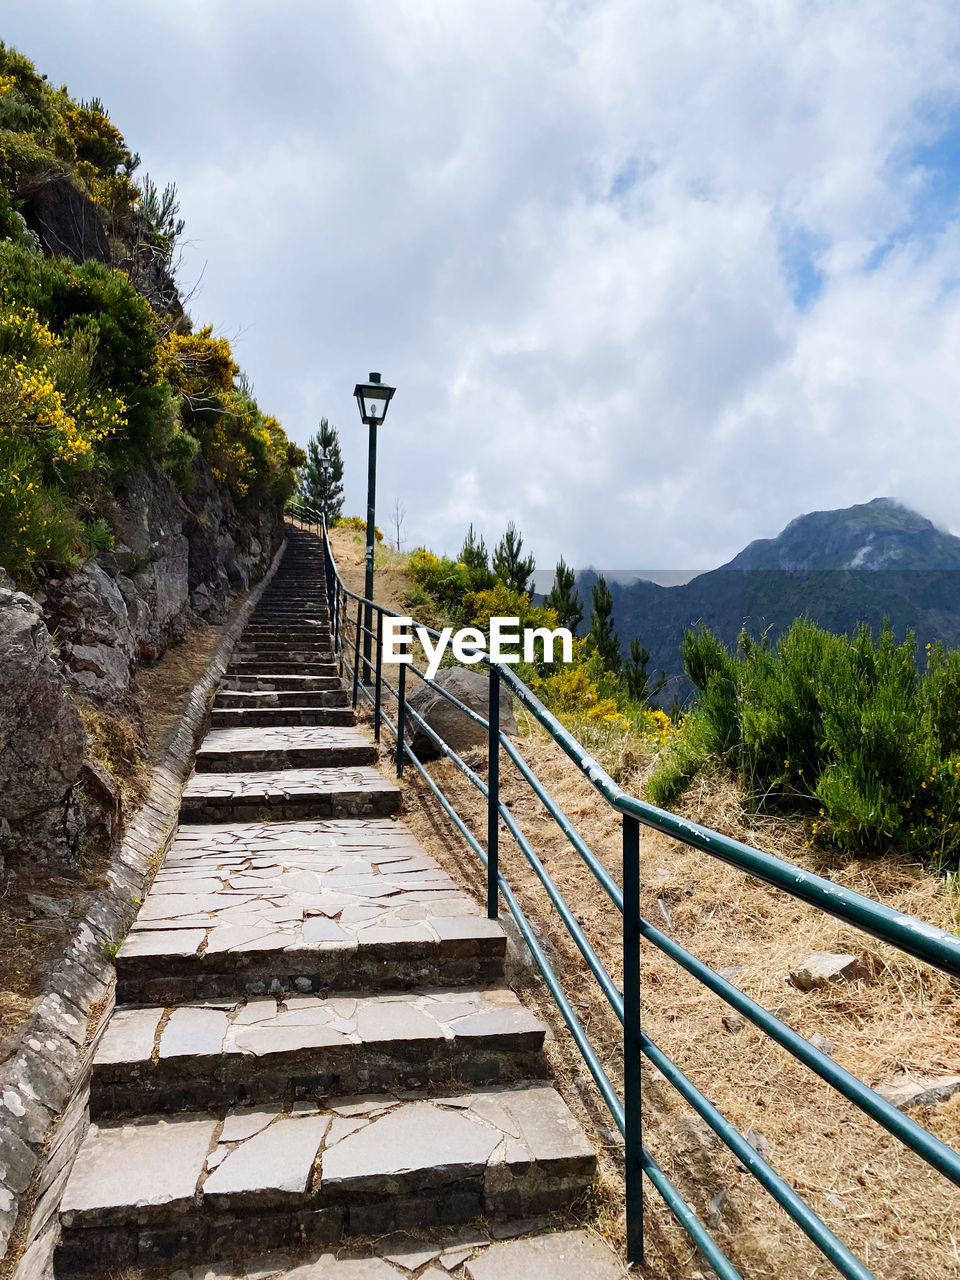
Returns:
(401, 715)
(356, 655)
(378, 678)
(633, 1135)
(493, 796)
(342, 628)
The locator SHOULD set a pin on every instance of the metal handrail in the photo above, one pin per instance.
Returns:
(925, 942)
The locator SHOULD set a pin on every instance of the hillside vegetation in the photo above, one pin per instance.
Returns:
(101, 371)
(849, 733)
(846, 729)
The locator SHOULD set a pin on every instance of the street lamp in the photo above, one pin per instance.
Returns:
(373, 398)
(325, 464)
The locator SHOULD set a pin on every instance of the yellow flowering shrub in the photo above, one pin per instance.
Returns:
(569, 691)
(198, 365)
(359, 525)
(52, 423)
(92, 384)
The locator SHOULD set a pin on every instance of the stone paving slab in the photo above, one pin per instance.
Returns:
(562, 1255)
(355, 791)
(267, 1049)
(314, 901)
(365, 1164)
(280, 747)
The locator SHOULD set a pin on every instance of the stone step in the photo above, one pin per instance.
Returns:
(255, 908)
(275, 613)
(314, 599)
(247, 717)
(281, 680)
(355, 792)
(507, 1251)
(301, 618)
(212, 1185)
(279, 698)
(286, 635)
(302, 642)
(267, 1051)
(288, 652)
(252, 664)
(290, 747)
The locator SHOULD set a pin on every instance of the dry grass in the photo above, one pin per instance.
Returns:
(899, 1216)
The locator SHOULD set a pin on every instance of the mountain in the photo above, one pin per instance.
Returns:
(864, 563)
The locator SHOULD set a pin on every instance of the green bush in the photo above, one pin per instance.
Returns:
(846, 728)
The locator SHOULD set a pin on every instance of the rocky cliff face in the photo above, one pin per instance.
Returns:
(84, 634)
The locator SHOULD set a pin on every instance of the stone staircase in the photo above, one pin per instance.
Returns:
(313, 1040)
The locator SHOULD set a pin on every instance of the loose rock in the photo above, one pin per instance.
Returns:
(821, 968)
(918, 1091)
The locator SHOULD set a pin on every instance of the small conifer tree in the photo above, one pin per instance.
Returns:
(563, 597)
(475, 556)
(321, 487)
(635, 674)
(603, 638)
(511, 568)
(474, 552)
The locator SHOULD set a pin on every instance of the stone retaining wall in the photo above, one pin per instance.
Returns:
(44, 1085)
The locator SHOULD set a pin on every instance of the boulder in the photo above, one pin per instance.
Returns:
(65, 220)
(456, 729)
(99, 644)
(42, 739)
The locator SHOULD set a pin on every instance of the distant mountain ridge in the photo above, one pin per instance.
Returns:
(863, 563)
(882, 534)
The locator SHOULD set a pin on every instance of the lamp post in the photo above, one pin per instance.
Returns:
(373, 398)
(325, 463)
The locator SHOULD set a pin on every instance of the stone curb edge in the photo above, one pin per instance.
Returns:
(43, 1103)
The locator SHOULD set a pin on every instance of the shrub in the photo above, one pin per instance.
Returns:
(88, 390)
(359, 525)
(845, 727)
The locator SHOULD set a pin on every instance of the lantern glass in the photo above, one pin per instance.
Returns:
(373, 397)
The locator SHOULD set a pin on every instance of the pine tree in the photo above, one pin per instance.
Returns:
(603, 639)
(564, 599)
(635, 674)
(512, 569)
(475, 556)
(474, 552)
(323, 492)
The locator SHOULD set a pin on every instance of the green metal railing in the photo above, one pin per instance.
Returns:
(906, 933)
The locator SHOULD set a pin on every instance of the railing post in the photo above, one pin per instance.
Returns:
(633, 1136)
(378, 678)
(493, 796)
(356, 655)
(401, 716)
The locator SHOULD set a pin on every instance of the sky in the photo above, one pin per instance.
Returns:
(650, 279)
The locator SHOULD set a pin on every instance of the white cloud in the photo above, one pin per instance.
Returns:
(572, 234)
